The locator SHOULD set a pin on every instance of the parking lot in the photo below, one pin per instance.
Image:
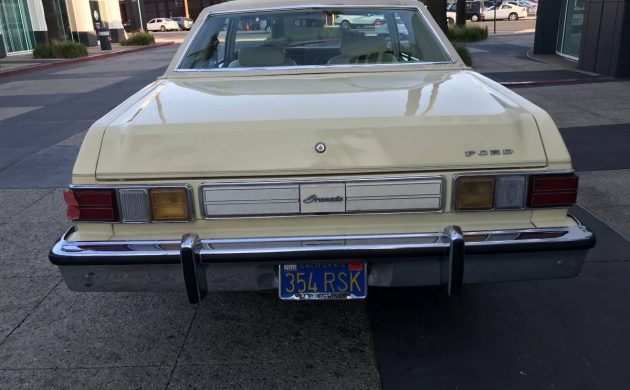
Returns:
(543, 334)
(503, 27)
(527, 25)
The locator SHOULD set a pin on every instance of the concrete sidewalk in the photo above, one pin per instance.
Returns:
(25, 62)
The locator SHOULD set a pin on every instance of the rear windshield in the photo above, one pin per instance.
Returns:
(313, 37)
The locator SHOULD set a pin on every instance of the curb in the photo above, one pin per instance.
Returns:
(509, 34)
(34, 68)
(524, 84)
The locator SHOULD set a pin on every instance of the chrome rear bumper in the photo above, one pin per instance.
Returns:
(449, 257)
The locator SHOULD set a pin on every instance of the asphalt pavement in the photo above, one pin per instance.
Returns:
(507, 27)
(564, 334)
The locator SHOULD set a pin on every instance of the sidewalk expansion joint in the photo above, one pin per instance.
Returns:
(192, 321)
(30, 312)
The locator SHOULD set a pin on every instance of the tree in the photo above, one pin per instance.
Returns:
(437, 9)
(461, 13)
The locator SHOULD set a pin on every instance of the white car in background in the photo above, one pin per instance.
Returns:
(451, 14)
(162, 24)
(347, 21)
(505, 11)
(382, 28)
(532, 7)
(183, 22)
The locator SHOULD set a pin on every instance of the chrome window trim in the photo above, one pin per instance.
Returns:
(346, 179)
(316, 67)
(116, 187)
(506, 173)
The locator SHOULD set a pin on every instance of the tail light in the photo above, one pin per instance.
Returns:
(169, 204)
(150, 204)
(378, 23)
(508, 192)
(92, 205)
(552, 190)
(134, 205)
(475, 193)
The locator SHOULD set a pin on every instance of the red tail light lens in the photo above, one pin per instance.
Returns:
(378, 23)
(72, 205)
(552, 190)
(92, 205)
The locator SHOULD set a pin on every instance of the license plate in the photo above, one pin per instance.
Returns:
(322, 281)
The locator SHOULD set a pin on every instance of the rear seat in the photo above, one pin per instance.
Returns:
(363, 50)
(261, 57)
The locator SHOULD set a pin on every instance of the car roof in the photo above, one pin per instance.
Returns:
(244, 5)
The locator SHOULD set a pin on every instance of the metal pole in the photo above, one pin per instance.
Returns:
(140, 16)
(495, 18)
(186, 8)
(69, 24)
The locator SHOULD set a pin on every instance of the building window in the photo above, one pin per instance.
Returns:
(15, 26)
(100, 18)
(570, 28)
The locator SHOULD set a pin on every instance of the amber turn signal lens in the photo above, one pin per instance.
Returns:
(474, 193)
(169, 204)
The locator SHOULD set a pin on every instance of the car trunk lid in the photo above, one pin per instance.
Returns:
(270, 126)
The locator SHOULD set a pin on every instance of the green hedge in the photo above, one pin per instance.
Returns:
(63, 49)
(138, 38)
(468, 34)
(464, 54)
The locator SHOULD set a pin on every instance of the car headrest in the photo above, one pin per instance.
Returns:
(354, 46)
(261, 56)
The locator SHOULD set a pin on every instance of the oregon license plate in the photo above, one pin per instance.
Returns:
(323, 281)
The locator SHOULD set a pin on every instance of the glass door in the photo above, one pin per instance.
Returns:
(570, 28)
(15, 26)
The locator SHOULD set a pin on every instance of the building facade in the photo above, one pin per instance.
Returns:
(594, 33)
(136, 13)
(26, 23)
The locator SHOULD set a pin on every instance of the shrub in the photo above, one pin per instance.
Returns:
(138, 38)
(62, 49)
(464, 54)
(468, 34)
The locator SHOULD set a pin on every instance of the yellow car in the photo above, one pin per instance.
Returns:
(319, 161)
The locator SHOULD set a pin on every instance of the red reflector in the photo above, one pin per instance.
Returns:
(92, 205)
(378, 23)
(539, 235)
(108, 248)
(73, 205)
(355, 266)
(553, 183)
(95, 198)
(97, 214)
(553, 199)
(552, 190)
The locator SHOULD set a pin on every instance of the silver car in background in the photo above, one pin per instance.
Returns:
(183, 22)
